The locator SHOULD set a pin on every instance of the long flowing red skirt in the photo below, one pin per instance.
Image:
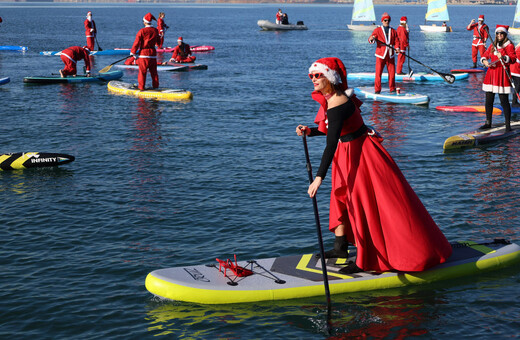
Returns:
(384, 217)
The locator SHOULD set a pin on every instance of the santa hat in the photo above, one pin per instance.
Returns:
(481, 17)
(179, 39)
(148, 18)
(385, 16)
(333, 69)
(89, 13)
(403, 20)
(502, 28)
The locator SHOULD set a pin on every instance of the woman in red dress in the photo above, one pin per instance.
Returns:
(497, 78)
(371, 204)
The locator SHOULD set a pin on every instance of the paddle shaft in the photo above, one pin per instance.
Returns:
(318, 230)
(107, 68)
(98, 47)
(450, 78)
(504, 66)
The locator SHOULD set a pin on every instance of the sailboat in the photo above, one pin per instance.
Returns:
(437, 11)
(363, 11)
(512, 29)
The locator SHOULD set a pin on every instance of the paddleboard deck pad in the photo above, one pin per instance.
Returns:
(123, 88)
(26, 160)
(300, 276)
(481, 137)
(101, 77)
(189, 66)
(386, 96)
(419, 76)
(469, 70)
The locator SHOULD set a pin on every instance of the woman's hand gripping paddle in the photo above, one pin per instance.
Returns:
(318, 230)
(448, 77)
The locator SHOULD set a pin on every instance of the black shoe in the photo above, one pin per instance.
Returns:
(351, 268)
(377, 92)
(508, 128)
(474, 65)
(334, 254)
(485, 126)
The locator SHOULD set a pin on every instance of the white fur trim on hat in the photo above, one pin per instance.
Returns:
(330, 74)
(501, 29)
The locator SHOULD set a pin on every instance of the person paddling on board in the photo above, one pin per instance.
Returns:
(515, 75)
(371, 204)
(145, 41)
(384, 54)
(161, 27)
(480, 36)
(403, 35)
(71, 56)
(182, 53)
(279, 15)
(90, 31)
(497, 75)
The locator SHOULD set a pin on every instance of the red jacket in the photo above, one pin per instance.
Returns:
(145, 41)
(515, 68)
(382, 50)
(476, 37)
(496, 79)
(402, 34)
(183, 51)
(161, 26)
(76, 53)
(90, 28)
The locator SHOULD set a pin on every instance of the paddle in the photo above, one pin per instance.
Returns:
(503, 65)
(107, 68)
(318, 230)
(98, 47)
(410, 71)
(448, 77)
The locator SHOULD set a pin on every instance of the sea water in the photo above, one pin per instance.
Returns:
(163, 184)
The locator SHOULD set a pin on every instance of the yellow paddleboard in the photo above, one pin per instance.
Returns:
(120, 87)
(480, 137)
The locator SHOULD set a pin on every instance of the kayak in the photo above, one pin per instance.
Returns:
(123, 88)
(190, 66)
(13, 48)
(177, 67)
(469, 70)
(300, 276)
(4, 80)
(267, 25)
(25, 160)
(481, 137)
(196, 48)
(126, 51)
(419, 76)
(107, 76)
(474, 108)
(386, 96)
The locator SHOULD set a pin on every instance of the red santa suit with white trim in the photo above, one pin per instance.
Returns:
(90, 31)
(161, 27)
(480, 36)
(515, 74)
(145, 41)
(383, 217)
(385, 55)
(71, 56)
(182, 53)
(496, 79)
(402, 34)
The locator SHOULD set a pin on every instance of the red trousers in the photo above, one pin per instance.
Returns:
(161, 40)
(390, 66)
(400, 61)
(70, 66)
(188, 59)
(477, 49)
(91, 43)
(147, 64)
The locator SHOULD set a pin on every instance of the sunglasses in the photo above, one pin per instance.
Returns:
(504, 33)
(386, 20)
(315, 75)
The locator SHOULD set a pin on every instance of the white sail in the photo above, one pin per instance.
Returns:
(437, 11)
(363, 11)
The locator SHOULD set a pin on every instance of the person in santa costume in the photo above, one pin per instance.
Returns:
(71, 56)
(497, 78)
(480, 36)
(402, 34)
(279, 15)
(371, 204)
(515, 74)
(145, 41)
(182, 53)
(90, 31)
(385, 54)
(161, 27)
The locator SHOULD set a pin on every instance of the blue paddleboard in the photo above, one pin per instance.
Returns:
(4, 80)
(419, 76)
(386, 96)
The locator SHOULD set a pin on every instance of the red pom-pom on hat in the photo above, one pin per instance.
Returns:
(385, 16)
(502, 28)
(148, 18)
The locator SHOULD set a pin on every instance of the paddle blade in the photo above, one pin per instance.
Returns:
(105, 69)
(450, 78)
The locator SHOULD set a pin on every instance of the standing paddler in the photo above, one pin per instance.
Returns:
(403, 35)
(90, 31)
(385, 54)
(480, 36)
(145, 41)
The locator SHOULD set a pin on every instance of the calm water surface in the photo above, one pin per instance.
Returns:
(161, 184)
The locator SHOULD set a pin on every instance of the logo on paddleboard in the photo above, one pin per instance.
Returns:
(196, 275)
